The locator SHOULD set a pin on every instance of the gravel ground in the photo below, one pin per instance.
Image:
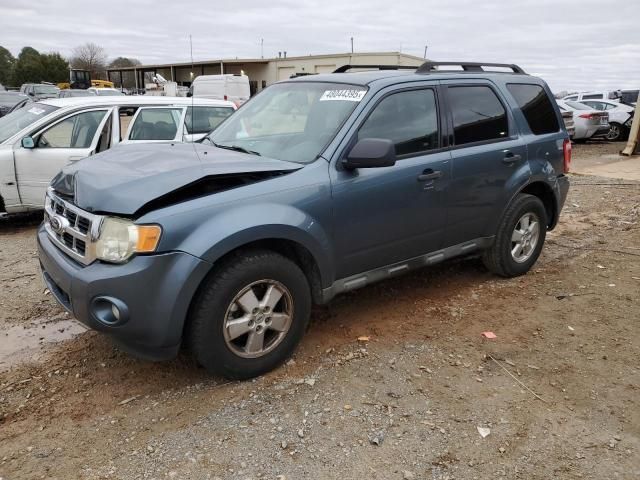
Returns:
(393, 381)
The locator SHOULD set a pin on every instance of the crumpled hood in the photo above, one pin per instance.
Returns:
(125, 178)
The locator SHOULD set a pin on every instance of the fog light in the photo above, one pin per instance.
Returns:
(109, 311)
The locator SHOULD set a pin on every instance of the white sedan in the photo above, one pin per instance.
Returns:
(589, 122)
(619, 116)
(36, 141)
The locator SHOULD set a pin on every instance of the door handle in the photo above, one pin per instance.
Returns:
(429, 174)
(510, 157)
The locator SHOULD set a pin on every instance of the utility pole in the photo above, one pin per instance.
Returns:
(351, 44)
(633, 143)
(425, 51)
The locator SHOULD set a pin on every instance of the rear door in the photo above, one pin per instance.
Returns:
(69, 139)
(487, 152)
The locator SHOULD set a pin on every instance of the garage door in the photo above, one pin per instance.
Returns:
(285, 72)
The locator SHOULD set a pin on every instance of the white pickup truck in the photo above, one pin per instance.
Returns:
(41, 138)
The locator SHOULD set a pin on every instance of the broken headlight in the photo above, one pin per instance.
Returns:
(120, 239)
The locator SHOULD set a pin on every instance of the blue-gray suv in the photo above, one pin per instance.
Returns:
(318, 185)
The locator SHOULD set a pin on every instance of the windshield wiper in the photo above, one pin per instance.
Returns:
(235, 148)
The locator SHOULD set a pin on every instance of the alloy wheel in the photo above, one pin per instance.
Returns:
(524, 238)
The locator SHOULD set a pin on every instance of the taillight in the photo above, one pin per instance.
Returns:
(566, 150)
(225, 97)
(589, 116)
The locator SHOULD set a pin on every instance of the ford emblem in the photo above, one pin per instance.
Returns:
(58, 224)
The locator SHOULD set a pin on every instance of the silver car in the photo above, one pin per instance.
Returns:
(39, 139)
(588, 121)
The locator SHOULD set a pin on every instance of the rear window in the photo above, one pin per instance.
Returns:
(478, 115)
(536, 107)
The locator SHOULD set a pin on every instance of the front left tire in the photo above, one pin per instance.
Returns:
(249, 315)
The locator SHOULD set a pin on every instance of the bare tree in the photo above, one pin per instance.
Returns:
(90, 57)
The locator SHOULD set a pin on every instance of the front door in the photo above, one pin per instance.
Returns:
(487, 151)
(69, 139)
(390, 214)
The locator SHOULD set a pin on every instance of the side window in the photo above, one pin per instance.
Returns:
(572, 98)
(77, 131)
(536, 107)
(478, 115)
(125, 114)
(156, 124)
(593, 96)
(205, 119)
(609, 106)
(409, 119)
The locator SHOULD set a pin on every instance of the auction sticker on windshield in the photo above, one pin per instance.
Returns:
(348, 95)
(36, 110)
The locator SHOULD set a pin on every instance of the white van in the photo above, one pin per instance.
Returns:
(234, 88)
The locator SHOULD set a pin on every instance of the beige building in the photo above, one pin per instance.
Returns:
(261, 72)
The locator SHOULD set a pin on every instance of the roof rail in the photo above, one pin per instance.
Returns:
(428, 67)
(346, 68)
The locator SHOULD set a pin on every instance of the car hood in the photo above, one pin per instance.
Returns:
(127, 178)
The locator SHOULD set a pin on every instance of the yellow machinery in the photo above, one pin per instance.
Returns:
(81, 79)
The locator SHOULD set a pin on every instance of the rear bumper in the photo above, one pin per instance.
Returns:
(561, 192)
(154, 293)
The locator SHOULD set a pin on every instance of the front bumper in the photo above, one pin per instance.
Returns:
(156, 290)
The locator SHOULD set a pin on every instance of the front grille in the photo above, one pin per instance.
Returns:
(70, 228)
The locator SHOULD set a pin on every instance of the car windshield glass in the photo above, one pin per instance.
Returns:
(45, 89)
(16, 121)
(291, 121)
(578, 106)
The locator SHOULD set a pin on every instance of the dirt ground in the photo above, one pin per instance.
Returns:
(558, 390)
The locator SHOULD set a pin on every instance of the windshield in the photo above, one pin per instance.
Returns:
(290, 121)
(16, 121)
(45, 89)
(10, 99)
(578, 106)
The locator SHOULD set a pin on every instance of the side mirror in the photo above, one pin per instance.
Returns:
(371, 153)
(189, 94)
(27, 142)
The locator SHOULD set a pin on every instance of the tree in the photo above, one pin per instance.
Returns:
(28, 67)
(90, 57)
(7, 64)
(122, 62)
(56, 68)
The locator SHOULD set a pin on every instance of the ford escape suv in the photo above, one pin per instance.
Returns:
(316, 186)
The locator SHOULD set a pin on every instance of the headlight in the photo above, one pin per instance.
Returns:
(119, 239)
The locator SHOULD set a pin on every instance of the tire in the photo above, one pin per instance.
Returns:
(226, 326)
(500, 258)
(615, 133)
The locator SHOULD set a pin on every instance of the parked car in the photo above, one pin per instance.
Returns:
(569, 123)
(105, 92)
(630, 97)
(75, 92)
(39, 139)
(8, 100)
(619, 115)
(316, 187)
(589, 122)
(23, 102)
(39, 91)
(234, 88)
(595, 95)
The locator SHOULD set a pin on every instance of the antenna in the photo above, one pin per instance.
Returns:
(193, 110)
(425, 51)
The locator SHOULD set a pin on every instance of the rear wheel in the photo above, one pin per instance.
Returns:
(615, 133)
(519, 239)
(250, 315)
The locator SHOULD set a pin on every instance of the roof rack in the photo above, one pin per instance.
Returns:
(429, 67)
(346, 68)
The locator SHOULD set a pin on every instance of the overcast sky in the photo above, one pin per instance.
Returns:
(572, 44)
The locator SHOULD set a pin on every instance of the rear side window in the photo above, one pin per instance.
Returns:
(536, 107)
(593, 96)
(409, 119)
(156, 124)
(478, 115)
(205, 119)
